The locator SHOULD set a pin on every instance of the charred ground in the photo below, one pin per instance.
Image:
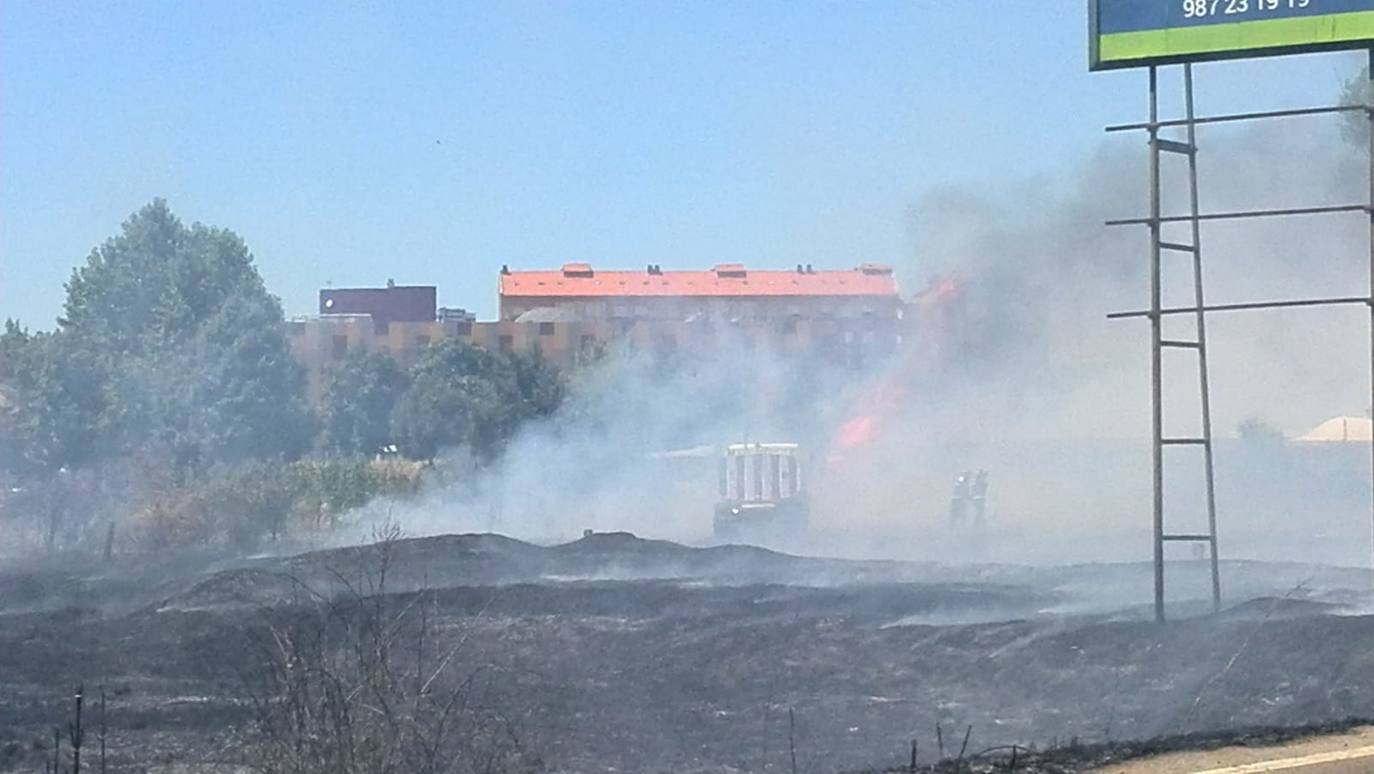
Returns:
(615, 653)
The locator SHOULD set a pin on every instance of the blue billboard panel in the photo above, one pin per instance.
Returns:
(1132, 33)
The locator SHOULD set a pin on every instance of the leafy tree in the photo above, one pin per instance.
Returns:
(1258, 433)
(326, 489)
(233, 392)
(56, 403)
(16, 344)
(168, 338)
(155, 283)
(16, 347)
(1358, 91)
(541, 387)
(462, 396)
(359, 397)
(459, 395)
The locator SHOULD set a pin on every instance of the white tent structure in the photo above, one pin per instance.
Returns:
(1340, 430)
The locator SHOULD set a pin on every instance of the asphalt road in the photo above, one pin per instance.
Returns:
(1359, 760)
(1348, 753)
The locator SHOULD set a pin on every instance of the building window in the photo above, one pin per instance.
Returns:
(421, 341)
(789, 326)
(505, 342)
(340, 346)
(381, 327)
(464, 328)
(546, 329)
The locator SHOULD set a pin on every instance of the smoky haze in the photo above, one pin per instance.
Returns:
(1021, 375)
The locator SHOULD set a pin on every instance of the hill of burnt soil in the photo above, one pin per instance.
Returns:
(614, 653)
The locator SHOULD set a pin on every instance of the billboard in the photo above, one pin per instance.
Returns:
(1132, 33)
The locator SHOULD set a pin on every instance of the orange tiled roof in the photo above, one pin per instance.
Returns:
(581, 280)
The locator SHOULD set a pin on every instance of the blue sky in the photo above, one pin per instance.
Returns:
(434, 142)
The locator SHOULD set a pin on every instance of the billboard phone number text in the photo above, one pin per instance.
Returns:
(1201, 9)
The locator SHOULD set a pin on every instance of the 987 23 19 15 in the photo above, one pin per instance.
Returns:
(1136, 33)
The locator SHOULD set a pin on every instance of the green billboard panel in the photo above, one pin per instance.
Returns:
(1132, 33)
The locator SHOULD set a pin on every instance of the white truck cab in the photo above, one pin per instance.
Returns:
(761, 491)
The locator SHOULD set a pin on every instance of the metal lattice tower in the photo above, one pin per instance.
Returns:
(1161, 247)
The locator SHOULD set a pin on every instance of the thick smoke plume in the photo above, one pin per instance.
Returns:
(1020, 373)
(1047, 384)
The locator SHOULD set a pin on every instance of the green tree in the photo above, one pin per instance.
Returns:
(16, 344)
(1255, 432)
(236, 394)
(463, 396)
(16, 348)
(155, 283)
(1358, 91)
(540, 385)
(459, 395)
(359, 397)
(55, 403)
(168, 337)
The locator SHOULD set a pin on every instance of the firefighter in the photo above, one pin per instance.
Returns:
(959, 502)
(979, 492)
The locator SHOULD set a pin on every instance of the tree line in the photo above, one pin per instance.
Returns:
(170, 365)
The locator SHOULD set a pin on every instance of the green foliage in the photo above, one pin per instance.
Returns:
(540, 386)
(58, 404)
(168, 340)
(463, 396)
(169, 377)
(231, 506)
(1256, 432)
(15, 347)
(359, 396)
(239, 506)
(236, 393)
(1357, 91)
(454, 399)
(327, 489)
(155, 283)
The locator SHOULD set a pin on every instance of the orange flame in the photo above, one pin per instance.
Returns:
(888, 396)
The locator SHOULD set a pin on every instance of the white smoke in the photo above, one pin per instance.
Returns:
(1042, 390)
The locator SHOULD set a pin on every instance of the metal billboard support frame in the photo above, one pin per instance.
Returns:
(1156, 313)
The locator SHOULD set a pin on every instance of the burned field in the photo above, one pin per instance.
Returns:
(618, 654)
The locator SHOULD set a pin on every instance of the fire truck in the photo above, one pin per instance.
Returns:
(761, 492)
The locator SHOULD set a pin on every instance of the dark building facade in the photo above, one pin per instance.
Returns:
(393, 303)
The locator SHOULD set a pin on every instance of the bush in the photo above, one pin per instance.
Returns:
(238, 507)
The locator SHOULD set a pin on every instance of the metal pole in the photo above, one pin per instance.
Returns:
(1370, 116)
(1156, 360)
(1302, 302)
(1252, 116)
(1202, 342)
